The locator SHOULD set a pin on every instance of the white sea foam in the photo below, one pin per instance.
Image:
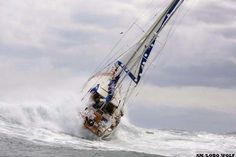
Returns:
(52, 118)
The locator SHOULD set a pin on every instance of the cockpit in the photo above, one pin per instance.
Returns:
(100, 104)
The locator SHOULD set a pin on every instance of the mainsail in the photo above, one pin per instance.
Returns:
(109, 89)
(131, 64)
(134, 62)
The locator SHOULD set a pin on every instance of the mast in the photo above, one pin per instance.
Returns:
(144, 46)
(133, 64)
(163, 19)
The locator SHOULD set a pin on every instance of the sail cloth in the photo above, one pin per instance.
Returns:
(133, 63)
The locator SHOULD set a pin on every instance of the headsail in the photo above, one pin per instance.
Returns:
(133, 63)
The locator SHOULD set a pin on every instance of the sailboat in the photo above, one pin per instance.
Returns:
(109, 89)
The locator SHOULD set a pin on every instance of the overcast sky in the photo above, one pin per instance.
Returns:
(58, 44)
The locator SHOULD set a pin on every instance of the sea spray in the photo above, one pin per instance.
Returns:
(52, 118)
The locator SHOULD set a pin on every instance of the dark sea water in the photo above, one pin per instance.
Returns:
(17, 147)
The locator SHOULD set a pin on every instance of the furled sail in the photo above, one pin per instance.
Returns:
(133, 62)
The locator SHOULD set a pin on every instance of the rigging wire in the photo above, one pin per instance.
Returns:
(127, 92)
(118, 42)
(170, 33)
(102, 66)
(130, 88)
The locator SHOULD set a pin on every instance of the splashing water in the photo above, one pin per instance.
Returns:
(52, 118)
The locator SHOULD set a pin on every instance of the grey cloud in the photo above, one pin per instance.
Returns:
(216, 13)
(228, 33)
(77, 36)
(20, 51)
(80, 38)
(81, 50)
(222, 75)
(190, 119)
(99, 20)
(70, 38)
(197, 55)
